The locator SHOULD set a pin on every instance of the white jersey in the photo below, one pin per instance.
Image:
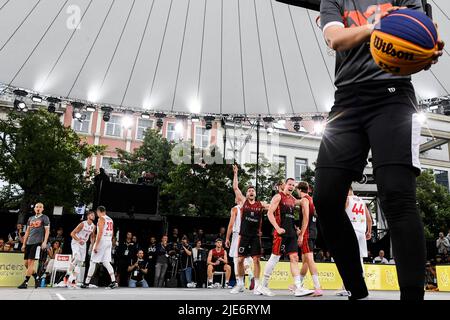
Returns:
(356, 212)
(237, 221)
(108, 229)
(86, 231)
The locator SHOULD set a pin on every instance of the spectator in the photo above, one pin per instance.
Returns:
(59, 237)
(430, 277)
(51, 253)
(122, 178)
(199, 256)
(15, 238)
(218, 262)
(162, 261)
(151, 258)
(2, 244)
(381, 259)
(7, 248)
(448, 235)
(138, 269)
(174, 238)
(439, 259)
(137, 247)
(328, 257)
(442, 243)
(114, 253)
(186, 263)
(222, 234)
(320, 256)
(124, 252)
(200, 235)
(369, 258)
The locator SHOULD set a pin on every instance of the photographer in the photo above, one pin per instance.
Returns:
(200, 256)
(15, 238)
(162, 262)
(138, 270)
(186, 263)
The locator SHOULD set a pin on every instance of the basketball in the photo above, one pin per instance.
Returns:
(404, 42)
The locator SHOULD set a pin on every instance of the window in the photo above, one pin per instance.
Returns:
(84, 125)
(114, 127)
(107, 162)
(300, 167)
(281, 160)
(201, 137)
(171, 133)
(143, 125)
(441, 177)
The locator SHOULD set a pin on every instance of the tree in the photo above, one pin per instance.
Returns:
(200, 189)
(152, 156)
(44, 159)
(434, 204)
(269, 175)
(309, 176)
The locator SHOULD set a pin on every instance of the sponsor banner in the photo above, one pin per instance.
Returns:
(381, 277)
(443, 278)
(12, 270)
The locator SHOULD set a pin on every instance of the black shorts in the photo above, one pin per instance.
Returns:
(30, 251)
(284, 245)
(249, 246)
(219, 268)
(378, 115)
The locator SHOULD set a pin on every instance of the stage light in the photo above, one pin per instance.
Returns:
(179, 127)
(91, 108)
(282, 122)
(145, 116)
(159, 120)
(77, 115)
(107, 113)
(19, 104)
(319, 125)
(36, 99)
(51, 108)
(195, 119)
(127, 121)
(297, 123)
(209, 122)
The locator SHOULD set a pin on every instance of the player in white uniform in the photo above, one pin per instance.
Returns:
(102, 248)
(234, 227)
(80, 235)
(361, 220)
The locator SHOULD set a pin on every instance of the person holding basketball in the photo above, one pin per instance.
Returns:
(378, 111)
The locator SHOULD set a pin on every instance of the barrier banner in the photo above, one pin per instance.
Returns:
(12, 270)
(443, 278)
(381, 277)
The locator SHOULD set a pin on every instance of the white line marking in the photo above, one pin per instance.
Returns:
(60, 297)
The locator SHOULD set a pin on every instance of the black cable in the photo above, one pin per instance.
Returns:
(117, 44)
(160, 49)
(137, 53)
(261, 57)
(92, 47)
(281, 56)
(440, 9)
(241, 56)
(320, 48)
(201, 51)
(20, 25)
(4, 5)
(439, 81)
(36, 46)
(181, 53)
(303, 60)
(67, 44)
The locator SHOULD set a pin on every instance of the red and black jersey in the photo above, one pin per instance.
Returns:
(284, 214)
(312, 223)
(251, 218)
(217, 254)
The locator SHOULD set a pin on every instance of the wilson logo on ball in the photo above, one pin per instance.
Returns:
(389, 49)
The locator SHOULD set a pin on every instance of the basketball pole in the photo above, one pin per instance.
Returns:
(258, 124)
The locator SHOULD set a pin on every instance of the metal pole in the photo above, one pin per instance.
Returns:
(257, 155)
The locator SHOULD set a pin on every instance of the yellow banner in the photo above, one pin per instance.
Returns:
(378, 277)
(443, 277)
(12, 270)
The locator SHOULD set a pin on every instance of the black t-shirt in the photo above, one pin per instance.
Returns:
(126, 250)
(185, 259)
(151, 254)
(357, 65)
(137, 274)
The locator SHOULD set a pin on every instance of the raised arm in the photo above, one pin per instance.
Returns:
(271, 213)
(237, 191)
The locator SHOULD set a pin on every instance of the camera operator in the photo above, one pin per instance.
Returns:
(138, 269)
(186, 263)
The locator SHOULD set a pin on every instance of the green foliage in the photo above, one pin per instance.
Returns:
(44, 158)
(308, 176)
(434, 204)
(152, 156)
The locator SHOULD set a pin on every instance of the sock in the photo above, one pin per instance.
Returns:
(315, 278)
(27, 278)
(298, 282)
(302, 278)
(256, 282)
(235, 264)
(110, 269)
(91, 271)
(240, 281)
(270, 265)
(35, 276)
(210, 280)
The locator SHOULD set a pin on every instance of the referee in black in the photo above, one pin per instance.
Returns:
(378, 111)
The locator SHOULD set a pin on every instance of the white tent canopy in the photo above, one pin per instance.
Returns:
(189, 56)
